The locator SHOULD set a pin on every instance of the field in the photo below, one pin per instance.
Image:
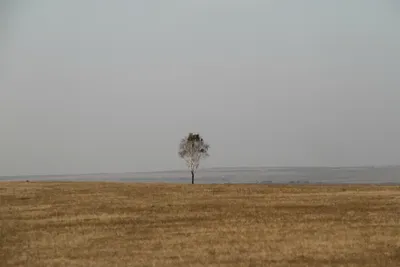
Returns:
(121, 224)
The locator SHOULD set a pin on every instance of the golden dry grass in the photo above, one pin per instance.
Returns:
(121, 224)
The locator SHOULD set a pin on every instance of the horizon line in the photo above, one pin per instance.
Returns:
(209, 168)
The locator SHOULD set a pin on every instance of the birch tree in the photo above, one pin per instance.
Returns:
(192, 149)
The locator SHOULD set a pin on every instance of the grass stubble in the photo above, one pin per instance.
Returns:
(123, 224)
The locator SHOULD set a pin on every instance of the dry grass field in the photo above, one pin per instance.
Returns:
(121, 224)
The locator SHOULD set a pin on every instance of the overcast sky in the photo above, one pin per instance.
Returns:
(112, 86)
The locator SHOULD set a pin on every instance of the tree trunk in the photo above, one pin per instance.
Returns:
(192, 177)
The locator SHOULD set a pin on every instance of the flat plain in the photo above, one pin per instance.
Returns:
(128, 224)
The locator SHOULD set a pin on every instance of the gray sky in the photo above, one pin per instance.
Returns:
(112, 86)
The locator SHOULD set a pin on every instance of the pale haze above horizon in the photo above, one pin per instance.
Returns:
(112, 86)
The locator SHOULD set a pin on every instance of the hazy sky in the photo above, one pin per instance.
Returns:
(112, 86)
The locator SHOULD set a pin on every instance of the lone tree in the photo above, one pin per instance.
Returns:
(192, 149)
